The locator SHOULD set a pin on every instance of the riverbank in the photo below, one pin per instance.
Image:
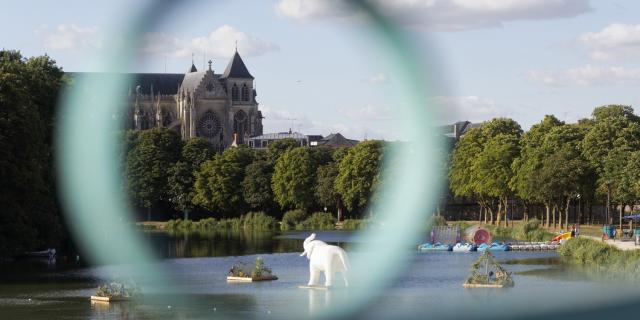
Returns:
(601, 256)
(256, 222)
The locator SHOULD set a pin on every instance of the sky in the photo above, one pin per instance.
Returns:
(319, 68)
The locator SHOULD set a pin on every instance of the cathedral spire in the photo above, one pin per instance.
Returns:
(193, 65)
(236, 68)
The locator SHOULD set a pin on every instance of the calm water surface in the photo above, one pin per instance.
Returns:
(197, 266)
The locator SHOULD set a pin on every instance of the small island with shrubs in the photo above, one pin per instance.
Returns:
(486, 272)
(117, 291)
(245, 272)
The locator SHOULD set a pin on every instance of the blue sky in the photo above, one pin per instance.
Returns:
(316, 61)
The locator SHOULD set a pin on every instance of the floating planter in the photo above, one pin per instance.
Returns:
(244, 272)
(116, 291)
(487, 273)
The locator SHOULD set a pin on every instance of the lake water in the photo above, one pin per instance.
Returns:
(197, 266)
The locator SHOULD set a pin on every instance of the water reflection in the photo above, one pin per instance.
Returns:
(219, 244)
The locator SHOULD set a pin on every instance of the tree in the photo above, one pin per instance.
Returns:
(196, 151)
(218, 184)
(29, 218)
(182, 175)
(462, 173)
(256, 186)
(293, 179)
(493, 167)
(146, 172)
(565, 172)
(181, 181)
(357, 174)
(526, 168)
(481, 163)
(325, 191)
(614, 127)
(278, 148)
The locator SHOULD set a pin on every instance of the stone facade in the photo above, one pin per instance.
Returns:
(218, 107)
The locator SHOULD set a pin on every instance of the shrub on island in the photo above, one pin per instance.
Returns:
(254, 221)
(291, 219)
(318, 221)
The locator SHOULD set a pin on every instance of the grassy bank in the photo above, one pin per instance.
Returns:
(255, 221)
(601, 259)
(587, 251)
(531, 230)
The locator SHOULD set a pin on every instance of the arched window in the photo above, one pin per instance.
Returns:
(245, 92)
(234, 93)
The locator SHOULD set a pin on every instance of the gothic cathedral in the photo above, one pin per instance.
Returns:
(221, 108)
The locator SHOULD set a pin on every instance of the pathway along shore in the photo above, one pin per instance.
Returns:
(625, 244)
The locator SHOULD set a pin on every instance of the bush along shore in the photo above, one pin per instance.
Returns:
(527, 231)
(259, 221)
(531, 230)
(603, 259)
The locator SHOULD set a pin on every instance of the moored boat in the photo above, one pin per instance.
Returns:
(435, 247)
(493, 247)
(464, 247)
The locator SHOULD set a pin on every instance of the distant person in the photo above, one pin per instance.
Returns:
(615, 231)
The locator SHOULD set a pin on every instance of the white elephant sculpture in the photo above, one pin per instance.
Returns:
(324, 258)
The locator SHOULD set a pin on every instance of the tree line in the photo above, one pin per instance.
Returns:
(29, 211)
(555, 165)
(190, 176)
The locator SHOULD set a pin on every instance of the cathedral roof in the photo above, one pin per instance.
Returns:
(193, 68)
(236, 68)
(192, 80)
(163, 83)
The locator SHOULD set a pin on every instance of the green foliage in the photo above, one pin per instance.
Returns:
(277, 148)
(357, 172)
(325, 192)
(146, 172)
(256, 186)
(525, 181)
(485, 263)
(196, 151)
(318, 221)
(258, 221)
(292, 218)
(528, 231)
(29, 88)
(606, 260)
(119, 290)
(218, 185)
(355, 224)
(252, 221)
(293, 179)
(256, 270)
(180, 184)
(436, 220)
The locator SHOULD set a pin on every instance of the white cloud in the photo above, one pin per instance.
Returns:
(69, 37)
(614, 41)
(471, 108)
(220, 43)
(368, 113)
(314, 9)
(378, 78)
(586, 76)
(440, 15)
